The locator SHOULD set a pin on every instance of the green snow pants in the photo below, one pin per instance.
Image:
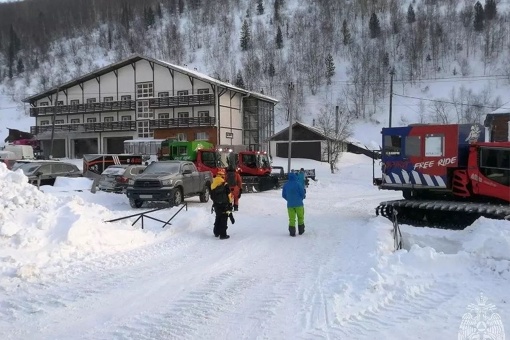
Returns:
(296, 211)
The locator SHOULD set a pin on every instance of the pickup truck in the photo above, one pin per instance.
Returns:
(169, 181)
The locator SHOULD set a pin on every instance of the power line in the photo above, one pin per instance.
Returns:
(448, 102)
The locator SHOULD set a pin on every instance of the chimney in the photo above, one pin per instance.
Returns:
(313, 122)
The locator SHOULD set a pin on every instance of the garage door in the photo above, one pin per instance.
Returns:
(309, 150)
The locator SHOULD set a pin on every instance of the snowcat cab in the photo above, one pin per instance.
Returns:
(441, 172)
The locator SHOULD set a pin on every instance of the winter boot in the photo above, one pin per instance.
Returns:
(224, 237)
(292, 231)
(301, 229)
(236, 207)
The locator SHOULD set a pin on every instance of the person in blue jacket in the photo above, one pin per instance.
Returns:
(294, 193)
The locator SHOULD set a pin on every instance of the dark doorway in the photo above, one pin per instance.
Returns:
(85, 146)
(308, 150)
(58, 151)
(115, 145)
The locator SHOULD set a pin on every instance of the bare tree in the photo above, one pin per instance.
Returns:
(334, 123)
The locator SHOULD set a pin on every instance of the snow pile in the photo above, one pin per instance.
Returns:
(40, 232)
(489, 239)
(64, 183)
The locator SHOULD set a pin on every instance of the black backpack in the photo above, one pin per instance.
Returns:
(231, 178)
(219, 195)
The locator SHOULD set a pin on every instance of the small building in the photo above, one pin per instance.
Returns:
(498, 125)
(144, 98)
(307, 142)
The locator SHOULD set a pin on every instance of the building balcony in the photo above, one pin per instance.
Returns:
(125, 105)
(85, 128)
(181, 101)
(182, 122)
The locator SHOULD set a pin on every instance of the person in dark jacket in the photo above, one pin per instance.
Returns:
(294, 193)
(222, 204)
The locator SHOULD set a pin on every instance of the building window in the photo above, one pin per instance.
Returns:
(45, 122)
(144, 90)
(75, 121)
(163, 94)
(75, 102)
(59, 121)
(91, 100)
(108, 99)
(43, 104)
(60, 103)
(164, 116)
(182, 93)
(91, 120)
(143, 129)
(181, 137)
(125, 98)
(202, 136)
(203, 114)
(183, 118)
(143, 111)
(108, 119)
(125, 118)
(203, 91)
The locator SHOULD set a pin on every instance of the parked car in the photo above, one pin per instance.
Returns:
(46, 171)
(115, 178)
(169, 181)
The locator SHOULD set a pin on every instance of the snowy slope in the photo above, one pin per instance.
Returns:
(65, 274)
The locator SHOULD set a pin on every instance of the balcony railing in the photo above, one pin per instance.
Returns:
(125, 105)
(86, 127)
(182, 122)
(177, 101)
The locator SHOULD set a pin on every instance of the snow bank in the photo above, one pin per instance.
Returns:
(40, 231)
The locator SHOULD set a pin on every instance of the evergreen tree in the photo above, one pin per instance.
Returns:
(279, 38)
(13, 49)
(479, 17)
(149, 17)
(330, 68)
(271, 72)
(374, 26)
(346, 33)
(20, 67)
(245, 36)
(159, 11)
(411, 16)
(277, 11)
(490, 9)
(239, 80)
(180, 6)
(260, 7)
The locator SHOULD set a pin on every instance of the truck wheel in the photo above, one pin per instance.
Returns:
(135, 203)
(204, 196)
(177, 198)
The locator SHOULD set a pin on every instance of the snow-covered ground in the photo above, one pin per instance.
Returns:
(65, 273)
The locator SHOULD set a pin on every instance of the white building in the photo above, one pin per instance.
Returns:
(141, 97)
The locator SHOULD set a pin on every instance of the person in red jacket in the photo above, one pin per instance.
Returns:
(235, 183)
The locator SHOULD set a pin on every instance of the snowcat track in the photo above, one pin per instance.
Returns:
(441, 214)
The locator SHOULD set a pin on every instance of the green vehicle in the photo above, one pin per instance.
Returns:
(202, 153)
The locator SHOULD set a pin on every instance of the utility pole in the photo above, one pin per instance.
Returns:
(392, 72)
(291, 90)
(53, 123)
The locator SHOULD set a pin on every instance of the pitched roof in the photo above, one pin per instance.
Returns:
(137, 57)
(306, 126)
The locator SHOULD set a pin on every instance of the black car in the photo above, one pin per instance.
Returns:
(47, 171)
(115, 178)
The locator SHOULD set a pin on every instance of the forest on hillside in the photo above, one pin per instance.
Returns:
(264, 45)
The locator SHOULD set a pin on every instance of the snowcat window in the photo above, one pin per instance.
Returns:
(211, 159)
(495, 164)
(412, 146)
(250, 161)
(263, 161)
(434, 145)
(392, 145)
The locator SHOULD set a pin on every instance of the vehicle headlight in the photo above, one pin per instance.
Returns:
(167, 183)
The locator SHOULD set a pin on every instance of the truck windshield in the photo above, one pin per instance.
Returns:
(162, 168)
(263, 161)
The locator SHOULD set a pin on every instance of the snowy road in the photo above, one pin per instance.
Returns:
(340, 280)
